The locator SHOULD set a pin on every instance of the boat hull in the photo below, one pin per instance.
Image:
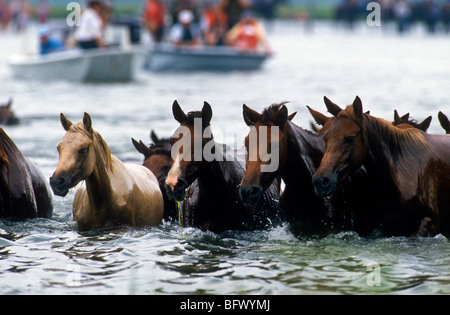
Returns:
(96, 65)
(171, 58)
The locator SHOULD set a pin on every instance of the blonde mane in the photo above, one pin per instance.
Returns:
(100, 146)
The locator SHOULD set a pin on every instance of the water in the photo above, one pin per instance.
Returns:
(49, 256)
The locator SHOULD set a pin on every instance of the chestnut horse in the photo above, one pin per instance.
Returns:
(409, 169)
(158, 160)
(405, 122)
(209, 185)
(300, 153)
(24, 193)
(113, 193)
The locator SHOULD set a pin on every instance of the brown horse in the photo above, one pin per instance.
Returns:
(111, 193)
(405, 122)
(408, 168)
(24, 192)
(7, 116)
(158, 160)
(206, 175)
(299, 153)
(445, 123)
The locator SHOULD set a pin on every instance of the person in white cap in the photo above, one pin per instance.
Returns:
(186, 32)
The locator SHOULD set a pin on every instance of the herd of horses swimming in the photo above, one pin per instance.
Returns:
(354, 172)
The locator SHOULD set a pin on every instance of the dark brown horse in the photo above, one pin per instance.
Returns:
(299, 153)
(408, 168)
(405, 122)
(206, 175)
(445, 123)
(23, 189)
(7, 116)
(157, 158)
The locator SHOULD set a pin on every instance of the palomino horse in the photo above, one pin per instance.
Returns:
(24, 192)
(7, 116)
(206, 175)
(445, 123)
(113, 193)
(408, 168)
(157, 158)
(300, 153)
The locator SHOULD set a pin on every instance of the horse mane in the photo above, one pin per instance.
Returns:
(3, 154)
(408, 148)
(270, 113)
(100, 145)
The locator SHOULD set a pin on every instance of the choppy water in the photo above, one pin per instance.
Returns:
(49, 256)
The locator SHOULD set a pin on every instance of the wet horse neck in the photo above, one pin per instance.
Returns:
(305, 151)
(98, 184)
(220, 178)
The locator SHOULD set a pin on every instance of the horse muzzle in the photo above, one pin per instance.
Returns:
(324, 185)
(250, 195)
(60, 185)
(177, 191)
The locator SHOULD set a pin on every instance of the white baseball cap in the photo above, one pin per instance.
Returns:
(185, 17)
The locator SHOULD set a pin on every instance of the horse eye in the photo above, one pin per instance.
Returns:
(350, 140)
(83, 151)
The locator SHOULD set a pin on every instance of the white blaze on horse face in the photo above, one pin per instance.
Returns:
(174, 173)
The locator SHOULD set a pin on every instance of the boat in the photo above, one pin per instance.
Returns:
(92, 65)
(168, 57)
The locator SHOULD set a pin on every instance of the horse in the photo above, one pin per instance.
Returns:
(408, 168)
(405, 122)
(205, 175)
(110, 193)
(402, 122)
(24, 193)
(7, 116)
(445, 123)
(299, 153)
(157, 158)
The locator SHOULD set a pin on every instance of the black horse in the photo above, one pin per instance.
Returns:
(24, 192)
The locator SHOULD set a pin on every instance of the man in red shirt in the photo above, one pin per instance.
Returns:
(154, 18)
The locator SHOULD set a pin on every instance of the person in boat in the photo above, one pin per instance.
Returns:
(185, 32)
(234, 10)
(214, 24)
(248, 35)
(47, 43)
(154, 18)
(89, 34)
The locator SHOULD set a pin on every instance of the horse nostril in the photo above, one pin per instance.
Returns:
(325, 181)
(181, 182)
(254, 191)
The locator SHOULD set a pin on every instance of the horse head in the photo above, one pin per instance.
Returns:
(267, 130)
(188, 142)
(77, 154)
(346, 148)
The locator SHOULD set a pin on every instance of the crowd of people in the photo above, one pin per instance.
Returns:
(226, 22)
(17, 13)
(434, 14)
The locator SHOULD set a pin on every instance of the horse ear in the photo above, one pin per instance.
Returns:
(319, 118)
(206, 114)
(141, 148)
(154, 137)
(282, 116)
(250, 115)
(8, 105)
(65, 122)
(357, 107)
(396, 116)
(445, 123)
(333, 109)
(87, 122)
(178, 113)
(291, 116)
(424, 125)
